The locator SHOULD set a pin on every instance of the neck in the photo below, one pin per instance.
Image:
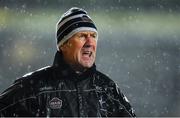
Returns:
(78, 70)
(60, 62)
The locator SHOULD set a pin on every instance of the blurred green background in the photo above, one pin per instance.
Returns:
(138, 46)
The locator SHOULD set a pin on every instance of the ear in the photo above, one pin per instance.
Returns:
(62, 47)
(66, 45)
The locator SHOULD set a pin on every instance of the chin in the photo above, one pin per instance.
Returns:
(87, 65)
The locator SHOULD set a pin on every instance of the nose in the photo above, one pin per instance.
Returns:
(89, 42)
(89, 45)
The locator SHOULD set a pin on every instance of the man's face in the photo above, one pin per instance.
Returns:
(80, 50)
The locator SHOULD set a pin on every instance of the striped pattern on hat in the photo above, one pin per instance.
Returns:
(71, 22)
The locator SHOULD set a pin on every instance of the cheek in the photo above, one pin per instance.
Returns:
(94, 45)
(76, 48)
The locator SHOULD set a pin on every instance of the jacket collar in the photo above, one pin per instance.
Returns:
(63, 69)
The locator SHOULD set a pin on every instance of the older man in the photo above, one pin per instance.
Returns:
(71, 86)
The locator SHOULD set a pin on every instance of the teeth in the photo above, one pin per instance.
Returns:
(88, 53)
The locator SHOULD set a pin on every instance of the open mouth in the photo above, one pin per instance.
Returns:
(87, 53)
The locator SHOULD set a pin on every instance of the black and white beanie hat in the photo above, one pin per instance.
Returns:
(71, 22)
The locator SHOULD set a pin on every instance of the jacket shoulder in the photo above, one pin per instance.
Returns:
(104, 79)
(115, 93)
(23, 82)
(22, 88)
(40, 73)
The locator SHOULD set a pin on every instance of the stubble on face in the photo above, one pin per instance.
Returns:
(87, 56)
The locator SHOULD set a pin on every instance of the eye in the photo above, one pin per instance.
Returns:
(81, 36)
(94, 36)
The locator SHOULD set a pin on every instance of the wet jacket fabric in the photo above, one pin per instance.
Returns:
(58, 91)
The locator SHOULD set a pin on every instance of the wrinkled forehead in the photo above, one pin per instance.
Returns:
(86, 32)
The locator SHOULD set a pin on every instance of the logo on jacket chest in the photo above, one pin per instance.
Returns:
(55, 103)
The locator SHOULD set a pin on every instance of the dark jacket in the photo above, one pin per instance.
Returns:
(59, 91)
